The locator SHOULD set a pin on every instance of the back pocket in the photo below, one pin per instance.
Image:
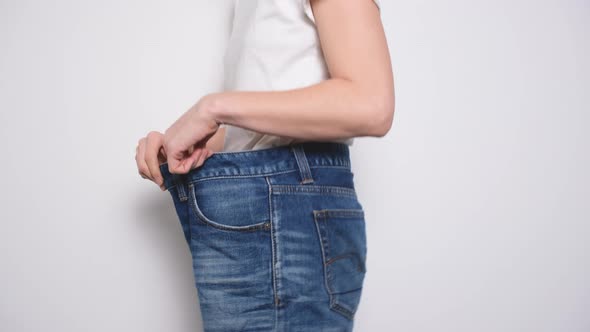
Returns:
(341, 233)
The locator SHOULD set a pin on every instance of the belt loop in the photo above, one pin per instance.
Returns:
(180, 183)
(302, 163)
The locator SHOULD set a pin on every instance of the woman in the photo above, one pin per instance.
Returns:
(260, 173)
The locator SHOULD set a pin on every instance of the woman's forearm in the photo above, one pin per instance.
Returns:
(331, 109)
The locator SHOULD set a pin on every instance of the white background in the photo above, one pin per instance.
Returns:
(477, 201)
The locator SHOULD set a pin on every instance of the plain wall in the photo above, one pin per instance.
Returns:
(477, 201)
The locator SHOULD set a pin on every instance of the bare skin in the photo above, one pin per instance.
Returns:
(357, 100)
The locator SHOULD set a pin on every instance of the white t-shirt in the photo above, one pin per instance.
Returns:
(274, 45)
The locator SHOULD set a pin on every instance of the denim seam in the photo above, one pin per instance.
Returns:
(319, 189)
(329, 166)
(343, 310)
(242, 176)
(341, 212)
(275, 272)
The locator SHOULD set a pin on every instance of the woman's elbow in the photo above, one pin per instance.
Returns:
(381, 115)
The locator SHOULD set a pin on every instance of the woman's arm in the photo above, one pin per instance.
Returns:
(357, 100)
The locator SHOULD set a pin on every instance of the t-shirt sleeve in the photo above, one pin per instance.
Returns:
(309, 13)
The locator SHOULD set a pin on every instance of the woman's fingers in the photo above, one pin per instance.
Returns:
(162, 157)
(150, 154)
(196, 157)
(188, 134)
(153, 144)
(206, 154)
(201, 159)
(142, 166)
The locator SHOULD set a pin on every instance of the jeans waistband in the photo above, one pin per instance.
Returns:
(299, 156)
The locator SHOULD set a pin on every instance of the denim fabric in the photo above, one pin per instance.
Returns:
(277, 237)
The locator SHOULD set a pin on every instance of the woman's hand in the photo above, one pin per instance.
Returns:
(183, 145)
(185, 142)
(149, 154)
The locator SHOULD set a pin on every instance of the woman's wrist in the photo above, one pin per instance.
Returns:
(213, 106)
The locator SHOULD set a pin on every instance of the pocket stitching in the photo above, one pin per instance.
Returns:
(289, 189)
(323, 215)
(203, 219)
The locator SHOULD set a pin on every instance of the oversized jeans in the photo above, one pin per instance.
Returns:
(277, 237)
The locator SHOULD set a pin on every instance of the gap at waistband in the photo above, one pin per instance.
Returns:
(263, 161)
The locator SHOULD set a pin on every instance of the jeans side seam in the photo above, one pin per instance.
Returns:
(275, 271)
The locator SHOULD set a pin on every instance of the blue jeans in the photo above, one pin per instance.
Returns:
(277, 237)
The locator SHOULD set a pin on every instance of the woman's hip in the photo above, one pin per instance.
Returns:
(277, 236)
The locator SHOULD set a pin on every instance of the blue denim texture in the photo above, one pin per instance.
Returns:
(277, 237)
